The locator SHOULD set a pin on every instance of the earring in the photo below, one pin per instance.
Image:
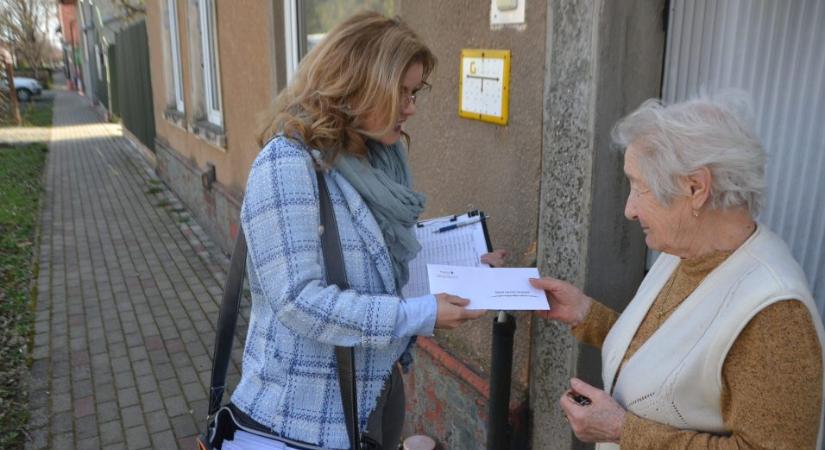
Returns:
(695, 213)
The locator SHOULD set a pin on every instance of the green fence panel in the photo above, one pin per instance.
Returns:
(134, 83)
(114, 104)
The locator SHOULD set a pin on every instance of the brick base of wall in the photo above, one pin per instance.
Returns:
(447, 401)
(215, 209)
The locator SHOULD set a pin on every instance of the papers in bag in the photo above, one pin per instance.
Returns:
(488, 288)
(249, 441)
(451, 240)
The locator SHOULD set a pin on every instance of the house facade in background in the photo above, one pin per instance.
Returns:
(550, 179)
(70, 41)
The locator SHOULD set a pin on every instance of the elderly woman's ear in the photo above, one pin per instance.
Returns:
(698, 186)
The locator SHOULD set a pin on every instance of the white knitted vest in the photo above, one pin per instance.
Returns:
(675, 377)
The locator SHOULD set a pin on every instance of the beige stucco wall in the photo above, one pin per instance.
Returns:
(465, 164)
(244, 52)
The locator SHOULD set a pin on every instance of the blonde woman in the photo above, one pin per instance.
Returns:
(343, 113)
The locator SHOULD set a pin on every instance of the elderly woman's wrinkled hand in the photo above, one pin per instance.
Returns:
(568, 304)
(599, 421)
(495, 258)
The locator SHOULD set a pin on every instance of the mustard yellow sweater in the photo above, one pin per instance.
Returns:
(772, 391)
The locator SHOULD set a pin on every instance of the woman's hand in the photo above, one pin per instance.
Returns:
(600, 421)
(568, 304)
(452, 312)
(495, 258)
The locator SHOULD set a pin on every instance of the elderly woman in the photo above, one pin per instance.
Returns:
(721, 348)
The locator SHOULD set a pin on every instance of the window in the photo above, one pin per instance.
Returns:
(308, 21)
(209, 53)
(174, 48)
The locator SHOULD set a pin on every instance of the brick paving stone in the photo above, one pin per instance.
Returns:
(107, 411)
(61, 422)
(39, 439)
(164, 439)
(84, 407)
(151, 401)
(164, 371)
(127, 397)
(81, 388)
(175, 406)
(124, 380)
(184, 425)
(61, 402)
(62, 441)
(146, 383)
(194, 391)
(157, 422)
(137, 438)
(169, 388)
(86, 427)
(38, 417)
(111, 433)
(132, 416)
(105, 392)
(92, 443)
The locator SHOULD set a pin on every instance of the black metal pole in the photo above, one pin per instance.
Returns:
(498, 415)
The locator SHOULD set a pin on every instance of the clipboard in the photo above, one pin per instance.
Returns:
(457, 240)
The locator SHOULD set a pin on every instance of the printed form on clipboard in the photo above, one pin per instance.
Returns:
(450, 240)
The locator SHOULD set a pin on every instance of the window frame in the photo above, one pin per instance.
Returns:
(292, 37)
(209, 42)
(174, 45)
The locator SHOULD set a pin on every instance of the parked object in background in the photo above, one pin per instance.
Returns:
(26, 88)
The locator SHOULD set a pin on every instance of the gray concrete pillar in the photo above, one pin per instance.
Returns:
(603, 58)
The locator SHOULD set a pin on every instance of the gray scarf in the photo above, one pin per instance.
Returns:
(384, 182)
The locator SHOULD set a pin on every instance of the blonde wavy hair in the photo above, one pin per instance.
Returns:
(354, 73)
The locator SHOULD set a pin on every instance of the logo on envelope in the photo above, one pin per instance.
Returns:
(444, 273)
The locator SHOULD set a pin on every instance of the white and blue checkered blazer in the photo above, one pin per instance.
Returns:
(289, 378)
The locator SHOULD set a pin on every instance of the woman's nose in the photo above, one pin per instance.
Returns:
(630, 208)
(408, 107)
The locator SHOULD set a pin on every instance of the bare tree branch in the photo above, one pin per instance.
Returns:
(24, 25)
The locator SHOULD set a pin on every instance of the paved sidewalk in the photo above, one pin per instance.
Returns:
(126, 299)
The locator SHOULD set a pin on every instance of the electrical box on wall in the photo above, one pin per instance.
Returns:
(484, 85)
(506, 12)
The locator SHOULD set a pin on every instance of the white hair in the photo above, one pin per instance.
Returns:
(713, 132)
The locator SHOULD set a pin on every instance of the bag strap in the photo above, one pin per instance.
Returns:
(336, 274)
(227, 320)
(230, 305)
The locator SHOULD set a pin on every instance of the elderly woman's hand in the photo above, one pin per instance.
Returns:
(495, 258)
(599, 421)
(568, 304)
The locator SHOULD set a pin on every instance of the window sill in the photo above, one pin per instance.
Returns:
(210, 133)
(176, 117)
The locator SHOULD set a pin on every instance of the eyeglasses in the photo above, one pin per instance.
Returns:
(407, 99)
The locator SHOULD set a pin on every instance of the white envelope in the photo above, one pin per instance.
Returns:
(489, 288)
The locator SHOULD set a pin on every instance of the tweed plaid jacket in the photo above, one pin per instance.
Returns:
(289, 378)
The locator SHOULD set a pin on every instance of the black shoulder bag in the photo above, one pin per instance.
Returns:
(223, 421)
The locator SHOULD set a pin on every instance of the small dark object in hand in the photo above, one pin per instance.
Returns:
(580, 399)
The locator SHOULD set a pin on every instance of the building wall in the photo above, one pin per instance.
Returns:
(466, 164)
(246, 83)
(68, 23)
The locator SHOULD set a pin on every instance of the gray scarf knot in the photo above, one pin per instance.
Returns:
(383, 180)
